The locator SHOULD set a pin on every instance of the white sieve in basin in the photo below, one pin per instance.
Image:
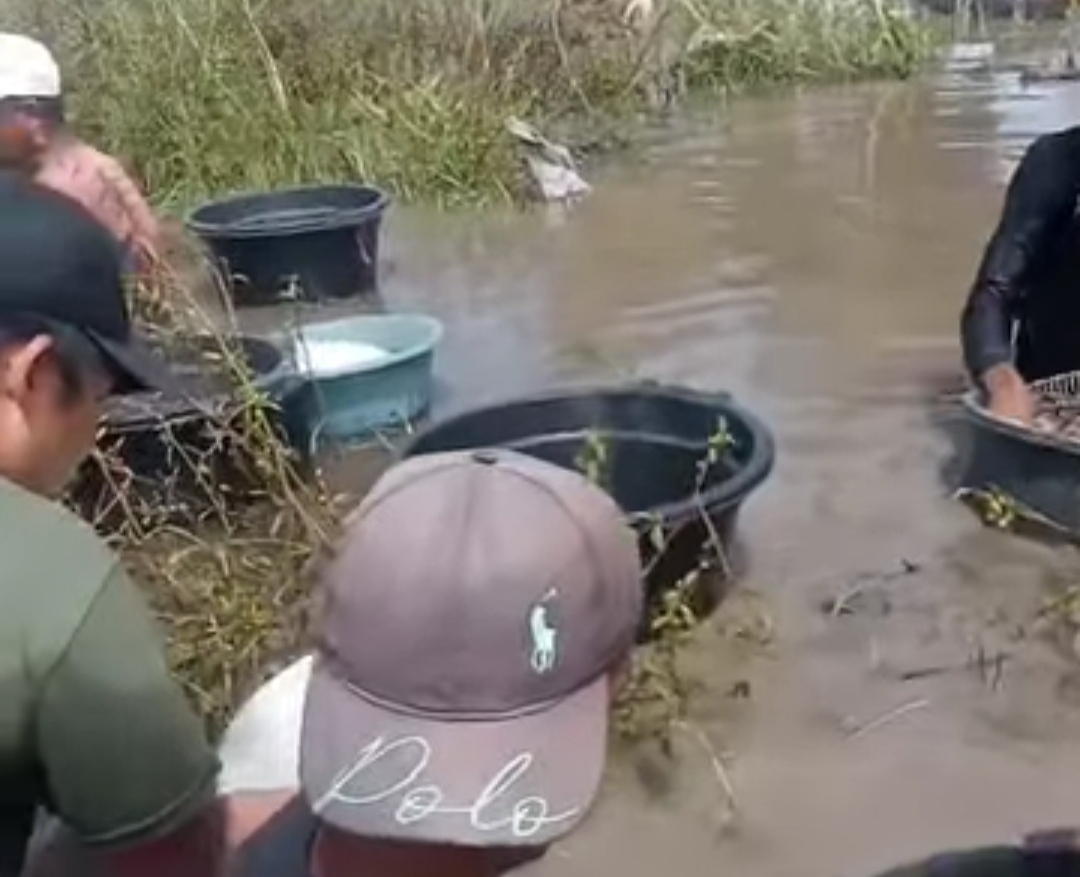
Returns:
(318, 358)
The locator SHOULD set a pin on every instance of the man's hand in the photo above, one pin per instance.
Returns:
(1010, 396)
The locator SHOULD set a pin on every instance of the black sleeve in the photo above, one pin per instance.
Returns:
(1041, 195)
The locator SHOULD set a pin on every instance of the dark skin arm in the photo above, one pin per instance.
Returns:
(1041, 195)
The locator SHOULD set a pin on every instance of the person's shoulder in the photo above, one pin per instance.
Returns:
(48, 532)
(1063, 145)
(91, 159)
(87, 152)
(54, 566)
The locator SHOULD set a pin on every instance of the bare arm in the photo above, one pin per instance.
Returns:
(146, 234)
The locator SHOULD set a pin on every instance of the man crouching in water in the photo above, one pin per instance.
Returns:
(1020, 320)
(35, 139)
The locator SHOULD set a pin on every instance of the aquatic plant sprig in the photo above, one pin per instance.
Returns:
(655, 702)
(654, 705)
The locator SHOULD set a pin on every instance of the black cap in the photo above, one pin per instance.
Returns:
(59, 265)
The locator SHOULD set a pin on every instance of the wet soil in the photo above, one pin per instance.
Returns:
(809, 253)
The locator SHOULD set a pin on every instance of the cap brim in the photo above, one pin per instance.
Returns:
(524, 781)
(135, 367)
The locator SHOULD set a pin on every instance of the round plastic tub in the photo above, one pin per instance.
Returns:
(656, 441)
(312, 244)
(1040, 471)
(359, 375)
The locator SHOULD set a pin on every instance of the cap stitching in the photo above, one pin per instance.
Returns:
(366, 508)
(463, 715)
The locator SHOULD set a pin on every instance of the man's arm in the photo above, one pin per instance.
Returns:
(146, 234)
(128, 768)
(1041, 194)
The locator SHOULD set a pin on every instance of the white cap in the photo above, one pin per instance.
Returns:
(27, 68)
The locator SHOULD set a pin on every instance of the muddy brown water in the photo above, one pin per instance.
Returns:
(810, 253)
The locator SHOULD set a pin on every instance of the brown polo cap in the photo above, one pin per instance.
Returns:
(474, 609)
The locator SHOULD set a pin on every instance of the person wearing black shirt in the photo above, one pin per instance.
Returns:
(1021, 321)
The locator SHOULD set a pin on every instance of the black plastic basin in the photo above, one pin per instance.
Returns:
(657, 439)
(176, 457)
(1041, 472)
(311, 243)
(1004, 861)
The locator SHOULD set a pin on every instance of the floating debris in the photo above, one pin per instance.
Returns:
(968, 56)
(854, 598)
(855, 730)
(551, 164)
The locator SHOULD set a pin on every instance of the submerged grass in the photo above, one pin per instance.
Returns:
(205, 96)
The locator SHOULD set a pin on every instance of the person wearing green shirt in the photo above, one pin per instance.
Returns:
(93, 730)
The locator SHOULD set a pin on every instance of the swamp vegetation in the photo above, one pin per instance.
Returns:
(203, 97)
(208, 96)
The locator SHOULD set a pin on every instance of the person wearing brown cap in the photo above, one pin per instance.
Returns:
(478, 613)
(92, 728)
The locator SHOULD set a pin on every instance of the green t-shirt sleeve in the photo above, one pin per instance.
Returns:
(124, 757)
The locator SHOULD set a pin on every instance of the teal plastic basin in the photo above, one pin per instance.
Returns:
(352, 403)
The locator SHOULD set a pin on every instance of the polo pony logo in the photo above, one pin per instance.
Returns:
(544, 635)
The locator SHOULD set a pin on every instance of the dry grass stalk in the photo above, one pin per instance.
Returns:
(228, 580)
(206, 96)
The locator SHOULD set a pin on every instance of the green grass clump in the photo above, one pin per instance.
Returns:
(206, 96)
(747, 43)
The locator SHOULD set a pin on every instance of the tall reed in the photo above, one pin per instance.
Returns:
(210, 95)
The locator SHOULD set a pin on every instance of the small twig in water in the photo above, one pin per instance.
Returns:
(719, 770)
(841, 604)
(925, 673)
(890, 716)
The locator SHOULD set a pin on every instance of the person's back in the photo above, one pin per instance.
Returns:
(94, 732)
(78, 662)
(1049, 311)
(36, 141)
(35, 628)
(101, 184)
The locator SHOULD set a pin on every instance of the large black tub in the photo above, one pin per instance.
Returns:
(1004, 861)
(1042, 472)
(656, 442)
(176, 458)
(312, 243)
